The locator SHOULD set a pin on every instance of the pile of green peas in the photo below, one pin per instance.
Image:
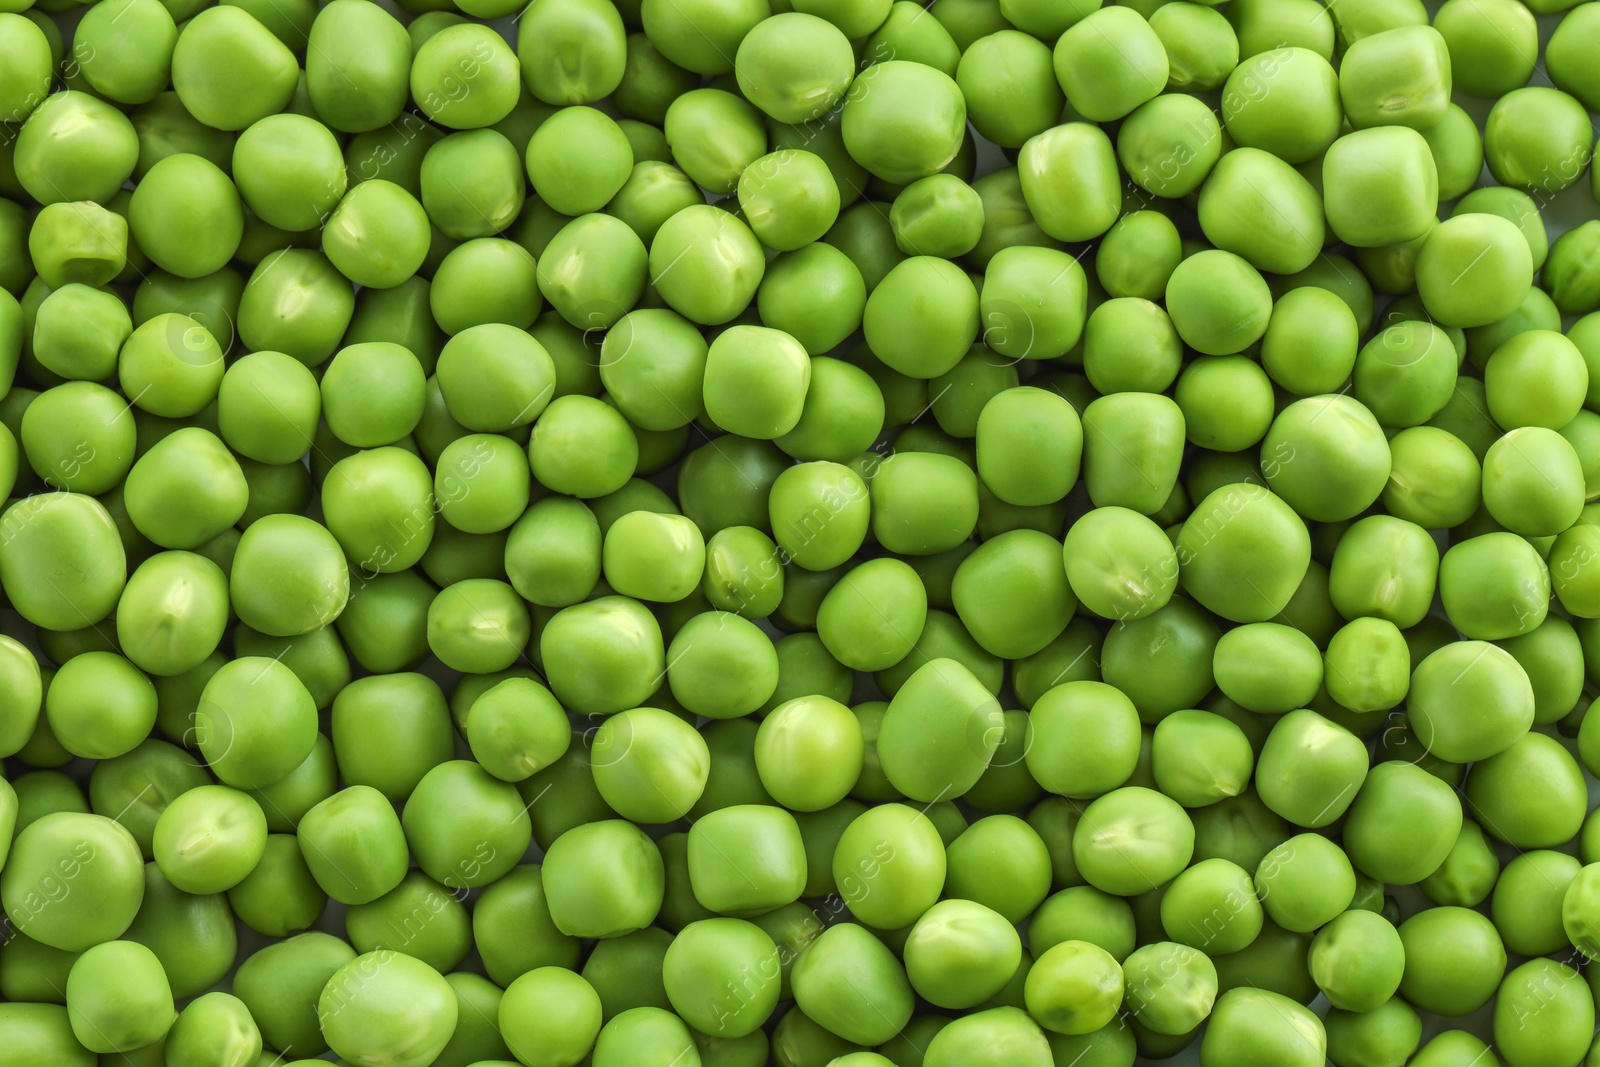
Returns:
(717, 533)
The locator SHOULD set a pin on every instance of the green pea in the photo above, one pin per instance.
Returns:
(849, 981)
(1132, 839)
(1310, 769)
(1110, 63)
(378, 235)
(602, 879)
(354, 845)
(1453, 1047)
(706, 264)
(209, 838)
(649, 81)
(1304, 882)
(28, 69)
(1030, 444)
(959, 954)
(809, 753)
(681, 35)
(1202, 48)
(1169, 988)
(906, 34)
(1358, 960)
(173, 364)
(78, 436)
(1434, 479)
(186, 216)
(78, 332)
(1556, 995)
(1199, 758)
(1390, 799)
(1075, 987)
(1513, 497)
(1365, 665)
(1162, 661)
(1256, 205)
(282, 983)
(97, 856)
(1492, 586)
(1135, 260)
(1528, 902)
(1057, 754)
(1213, 907)
(513, 929)
(388, 731)
(24, 691)
(1212, 547)
(1168, 145)
(213, 1028)
(1540, 809)
(290, 171)
(1069, 177)
(923, 317)
(268, 407)
(358, 65)
(851, 617)
(296, 302)
(280, 895)
(903, 120)
(1267, 667)
(939, 732)
(698, 964)
(108, 1016)
(97, 702)
(1470, 701)
(74, 147)
(386, 1005)
(604, 655)
(1036, 611)
(650, 765)
(789, 198)
(889, 866)
(553, 555)
(255, 722)
(56, 534)
(1490, 287)
(465, 77)
(1256, 1024)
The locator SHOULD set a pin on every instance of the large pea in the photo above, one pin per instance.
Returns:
(1132, 449)
(1403, 823)
(572, 52)
(872, 618)
(1070, 181)
(230, 71)
(1543, 1014)
(1120, 564)
(1029, 446)
(1243, 530)
(62, 563)
(1310, 769)
(358, 66)
(890, 866)
(939, 732)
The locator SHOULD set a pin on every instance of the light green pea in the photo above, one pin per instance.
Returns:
(53, 534)
(74, 147)
(1069, 180)
(604, 655)
(1267, 667)
(903, 120)
(1109, 63)
(1033, 303)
